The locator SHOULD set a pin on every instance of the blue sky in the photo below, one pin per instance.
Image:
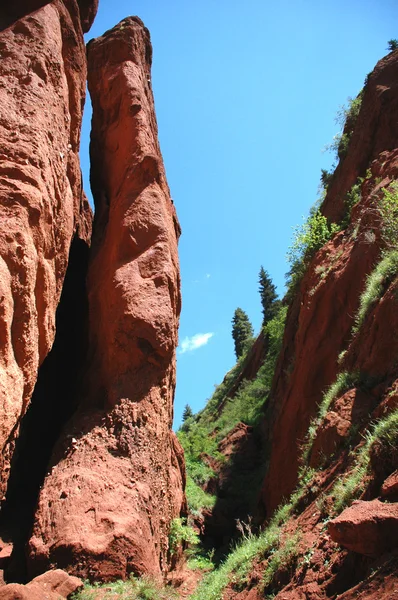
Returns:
(246, 96)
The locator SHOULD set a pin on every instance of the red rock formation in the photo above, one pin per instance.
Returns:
(53, 585)
(369, 528)
(390, 487)
(105, 508)
(321, 317)
(375, 131)
(42, 206)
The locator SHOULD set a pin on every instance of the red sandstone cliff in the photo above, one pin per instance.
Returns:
(105, 508)
(42, 205)
(321, 317)
(338, 535)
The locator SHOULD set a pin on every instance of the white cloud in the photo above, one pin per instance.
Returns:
(189, 344)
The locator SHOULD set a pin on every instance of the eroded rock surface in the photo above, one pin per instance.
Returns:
(117, 480)
(52, 585)
(42, 205)
(369, 528)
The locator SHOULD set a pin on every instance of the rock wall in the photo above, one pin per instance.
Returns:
(320, 319)
(333, 472)
(42, 205)
(117, 476)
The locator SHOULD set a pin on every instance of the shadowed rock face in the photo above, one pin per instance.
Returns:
(117, 479)
(42, 206)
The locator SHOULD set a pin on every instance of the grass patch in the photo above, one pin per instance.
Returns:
(143, 588)
(198, 500)
(382, 436)
(201, 560)
(237, 565)
(283, 559)
(376, 283)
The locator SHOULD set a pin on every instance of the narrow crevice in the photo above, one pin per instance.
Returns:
(53, 402)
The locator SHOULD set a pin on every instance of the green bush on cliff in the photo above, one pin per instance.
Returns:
(307, 239)
(181, 533)
(352, 197)
(388, 208)
(346, 117)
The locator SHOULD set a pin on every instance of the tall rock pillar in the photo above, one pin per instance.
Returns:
(119, 484)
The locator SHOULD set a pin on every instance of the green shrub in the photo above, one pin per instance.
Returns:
(197, 441)
(181, 533)
(385, 271)
(274, 331)
(392, 45)
(326, 178)
(307, 239)
(352, 197)
(200, 472)
(346, 117)
(342, 141)
(388, 208)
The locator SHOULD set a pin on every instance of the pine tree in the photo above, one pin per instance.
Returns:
(269, 297)
(187, 414)
(242, 331)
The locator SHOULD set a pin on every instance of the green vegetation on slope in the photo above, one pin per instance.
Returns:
(382, 439)
(307, 240)
(201, 434)
(267, 544)
(385, 271)
(144, 588)
(346, 117)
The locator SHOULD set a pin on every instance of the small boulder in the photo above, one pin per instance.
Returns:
(52, 585)
(389, 489)
(367, 527)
